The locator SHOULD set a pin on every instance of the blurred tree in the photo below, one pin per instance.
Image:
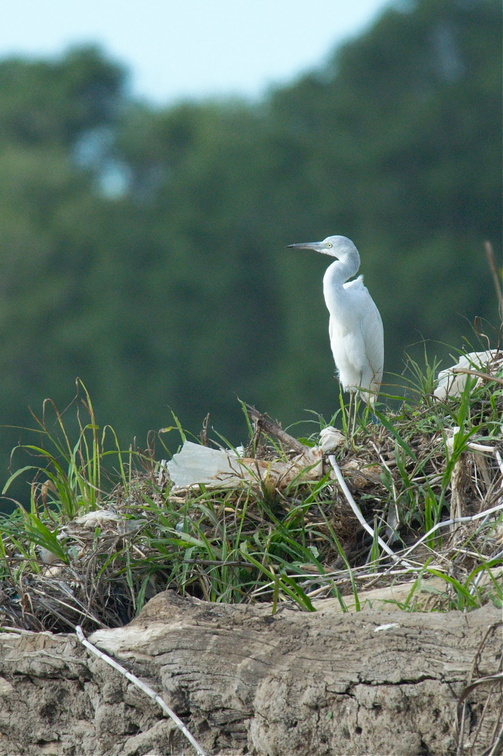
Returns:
(46, 102)
(143, 249)
(402, 139)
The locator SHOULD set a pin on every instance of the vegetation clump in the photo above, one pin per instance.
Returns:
(106, 528)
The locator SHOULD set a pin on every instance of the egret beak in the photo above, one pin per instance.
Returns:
(317, 246)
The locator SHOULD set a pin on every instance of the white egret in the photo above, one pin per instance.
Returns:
(355, 325)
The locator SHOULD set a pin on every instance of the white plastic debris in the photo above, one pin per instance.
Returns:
(390, 626)
(199, 464)
(330, 439)
(97, 518)
(222, 468)
(452, 383)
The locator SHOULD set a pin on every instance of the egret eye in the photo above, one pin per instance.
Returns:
(330, 245)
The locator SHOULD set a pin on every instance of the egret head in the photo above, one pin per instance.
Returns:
(335, 246)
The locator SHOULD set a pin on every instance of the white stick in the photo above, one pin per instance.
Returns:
(143, 686)
(454, 521)
(361, 519)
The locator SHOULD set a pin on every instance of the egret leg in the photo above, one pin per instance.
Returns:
(355, 405)
(355, 402)
(352, 412)
(368, 413)
(349, 414)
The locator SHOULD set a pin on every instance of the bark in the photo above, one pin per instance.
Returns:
(247, 682)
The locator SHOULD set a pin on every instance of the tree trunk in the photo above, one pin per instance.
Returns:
(247, 682)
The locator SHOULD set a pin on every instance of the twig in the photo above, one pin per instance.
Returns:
(390, 529)
(471, 685)
(499, 460)
(453, 521)
(218, 563)
(494, 272)
(478, 374)
(142, 686)
(361, 519)
(265, 423)
(203, 436)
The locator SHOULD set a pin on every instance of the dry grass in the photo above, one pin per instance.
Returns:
(82, 555)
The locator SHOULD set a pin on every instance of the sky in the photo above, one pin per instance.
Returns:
(190, 49)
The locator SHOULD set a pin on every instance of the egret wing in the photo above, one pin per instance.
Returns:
(371, 331)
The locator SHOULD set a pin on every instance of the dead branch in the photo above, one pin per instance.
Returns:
(267, 425)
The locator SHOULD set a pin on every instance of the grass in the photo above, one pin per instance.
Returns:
(105, 530)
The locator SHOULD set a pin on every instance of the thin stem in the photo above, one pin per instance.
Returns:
(361, 519)
(142, 686)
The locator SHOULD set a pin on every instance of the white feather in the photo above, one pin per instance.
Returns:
(355, 325)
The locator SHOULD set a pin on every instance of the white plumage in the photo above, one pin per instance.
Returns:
(355, 326)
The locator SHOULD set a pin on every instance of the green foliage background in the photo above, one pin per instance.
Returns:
(143, 249)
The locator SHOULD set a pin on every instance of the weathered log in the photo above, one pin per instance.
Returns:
(247, 682)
